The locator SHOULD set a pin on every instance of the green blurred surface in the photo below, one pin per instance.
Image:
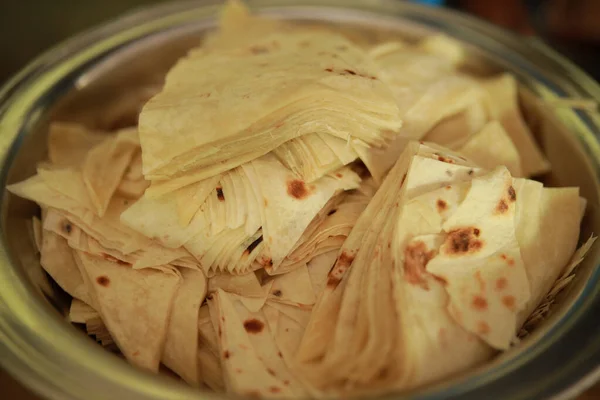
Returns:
(29, 27)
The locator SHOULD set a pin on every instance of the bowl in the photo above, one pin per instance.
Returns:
(101, 78)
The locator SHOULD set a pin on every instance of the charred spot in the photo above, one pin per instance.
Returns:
(331, 212)
(297, 189)
(462, 241)
(479, 303)
(277, 293)
(226, 354)
(220, 332)
(274, 389)
(349, 71)
(253, 325)
(502, 207)
(220, 194)
(501, 283)
(416, 257)
(483, 328)
(279, 354)
(512, 195)
(103, 281)
(470, 172)
(441, 205)
(509, 302)
(329, 69)
(67, 228)
(271, 372)
(259, 50)
(253, 245)
(476, 232)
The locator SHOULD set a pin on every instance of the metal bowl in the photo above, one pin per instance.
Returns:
(86, 79)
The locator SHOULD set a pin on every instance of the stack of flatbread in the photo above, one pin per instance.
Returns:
(274, 228)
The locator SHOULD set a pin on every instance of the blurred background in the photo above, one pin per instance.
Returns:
(29, 27)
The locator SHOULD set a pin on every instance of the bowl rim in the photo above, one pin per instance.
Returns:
(20, 105)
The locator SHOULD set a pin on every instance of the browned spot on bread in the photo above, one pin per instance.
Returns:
(271, 372)
(135, 353)
(67, 227)
(483, 328)
(444, 159)
(349, 71)
(441, 280)
(253, 325)
(512, 195)
(286, 382)
(416, 257)
(502, 207)
(448, 187)
(333, 281)
(339, 175)
(238, 370)
(462, 241)
(110, 258)
(480, 280)
(297, 189)
(277, 293)
(501, 283)
(274, 389)
(220, 332)
(479, 303)
(441, 205)
(226, 354)
(265, 202)
(331, 212)
(279, 124)
(329, 69)
(470, 172)
(509, 302)
(279, 354)
(259, 50)
(403, 179)
(103, 281)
